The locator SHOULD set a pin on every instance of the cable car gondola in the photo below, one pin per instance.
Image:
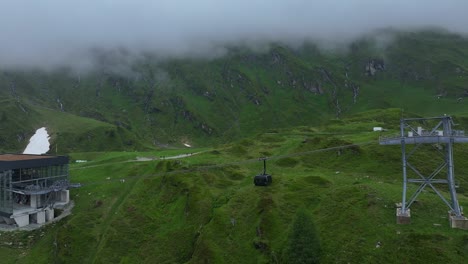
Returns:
(263, 179)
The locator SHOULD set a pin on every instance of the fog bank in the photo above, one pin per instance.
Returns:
(52, 33)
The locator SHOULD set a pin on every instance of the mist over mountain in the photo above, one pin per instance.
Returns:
(51, 33)
(165, 108)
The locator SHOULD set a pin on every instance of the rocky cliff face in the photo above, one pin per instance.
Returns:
(374, 66)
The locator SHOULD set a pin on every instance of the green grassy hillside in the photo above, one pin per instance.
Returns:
(339, 203)
(68, 132)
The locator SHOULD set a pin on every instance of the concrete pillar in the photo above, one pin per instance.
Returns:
(34, 200)
(22, 220)
(49, 215)
(403, 218)
(459, 222)
(65, 196)
(41, 217)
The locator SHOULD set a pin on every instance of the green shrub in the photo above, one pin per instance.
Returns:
(303, 243)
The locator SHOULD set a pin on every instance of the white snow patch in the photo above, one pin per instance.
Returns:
(39, 142)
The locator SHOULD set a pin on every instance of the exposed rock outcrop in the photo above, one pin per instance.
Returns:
(374, 65)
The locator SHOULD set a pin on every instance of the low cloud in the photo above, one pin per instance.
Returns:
(53, 33)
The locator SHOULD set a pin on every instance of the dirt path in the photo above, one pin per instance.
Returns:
(180, 156)
(141, 159)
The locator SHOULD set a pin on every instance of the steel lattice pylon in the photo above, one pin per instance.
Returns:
(441, 134)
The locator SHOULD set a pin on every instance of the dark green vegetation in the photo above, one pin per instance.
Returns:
(285, 104)
(303, 243)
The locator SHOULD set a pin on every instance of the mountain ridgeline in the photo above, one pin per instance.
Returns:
(155, 103)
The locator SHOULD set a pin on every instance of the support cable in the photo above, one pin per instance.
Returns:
(208, 167)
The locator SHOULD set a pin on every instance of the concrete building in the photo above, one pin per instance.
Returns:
(31, 186)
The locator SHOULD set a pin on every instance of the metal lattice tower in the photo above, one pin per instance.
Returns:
(440, 135)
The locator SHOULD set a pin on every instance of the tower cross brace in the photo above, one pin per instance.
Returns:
(441, 134)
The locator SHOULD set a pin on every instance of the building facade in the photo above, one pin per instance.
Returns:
(31, 187)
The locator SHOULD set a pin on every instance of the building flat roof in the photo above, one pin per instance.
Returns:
(19, 161)
(15, 157)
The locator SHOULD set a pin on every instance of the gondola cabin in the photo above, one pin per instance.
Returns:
(263, 179)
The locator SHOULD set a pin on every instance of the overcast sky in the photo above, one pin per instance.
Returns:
(47, 33)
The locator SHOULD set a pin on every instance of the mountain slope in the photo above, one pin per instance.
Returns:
(205, 208)
(198, 101)
(68, 132)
